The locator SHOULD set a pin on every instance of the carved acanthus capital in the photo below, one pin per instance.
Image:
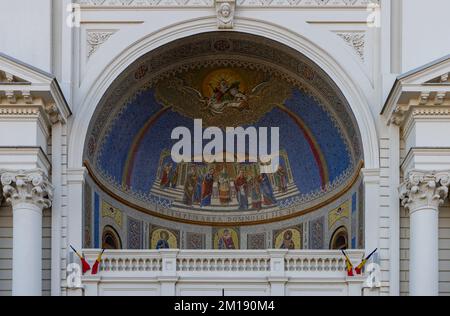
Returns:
(424, 189)
(30, 186)
(225, 13)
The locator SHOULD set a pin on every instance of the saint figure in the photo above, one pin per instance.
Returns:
(266, 190)
(226, 241)
(287, 243)
(207, 188)
(256, 193)
(165, 176)
(163, 242)
(281, 179)
(189, 186)
(224, 187)
(241, 187)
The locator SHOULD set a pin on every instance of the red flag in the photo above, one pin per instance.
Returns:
(84, 265)
(97, 263)
(359, 268)
(348, 264)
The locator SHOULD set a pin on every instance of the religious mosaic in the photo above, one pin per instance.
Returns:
(219, 80)
(112, 212)
(291, 238)
(342, 212)
(226, 238)
(162, 238)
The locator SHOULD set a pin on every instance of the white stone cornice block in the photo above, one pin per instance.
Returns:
(371, 176)
(427, 158)
(76, 175)
(24, 158)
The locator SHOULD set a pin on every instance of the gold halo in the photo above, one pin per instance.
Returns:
(213, 79)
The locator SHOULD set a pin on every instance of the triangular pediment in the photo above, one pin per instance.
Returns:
(435, 72)
(9, 78)
(424, 86)
(21, 83)
(13, 71)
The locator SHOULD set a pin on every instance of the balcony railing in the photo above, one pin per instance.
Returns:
(214, 272)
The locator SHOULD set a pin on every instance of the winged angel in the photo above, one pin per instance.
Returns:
(225, 96)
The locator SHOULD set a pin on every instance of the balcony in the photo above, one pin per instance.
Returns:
(227, 273)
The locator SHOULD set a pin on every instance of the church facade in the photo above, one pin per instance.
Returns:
(121, 166)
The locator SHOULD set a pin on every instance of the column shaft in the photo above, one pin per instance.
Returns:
(424, 258)
(28, 192)
(422, 193)
(27, 250)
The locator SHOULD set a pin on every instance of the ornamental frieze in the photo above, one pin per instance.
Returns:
(240, 3)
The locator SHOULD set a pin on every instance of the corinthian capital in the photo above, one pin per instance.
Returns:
(424, 189)
(27, 186)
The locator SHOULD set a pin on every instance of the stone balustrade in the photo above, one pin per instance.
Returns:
(214, 272)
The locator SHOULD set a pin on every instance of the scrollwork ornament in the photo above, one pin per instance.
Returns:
(424, 189)
(30, 186)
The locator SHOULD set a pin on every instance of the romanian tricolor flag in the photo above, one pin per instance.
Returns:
(97, 263)
(85, 266)
(348, 264)
(360, 266)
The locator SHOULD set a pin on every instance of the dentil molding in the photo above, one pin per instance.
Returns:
(424, 189)
(27, 186)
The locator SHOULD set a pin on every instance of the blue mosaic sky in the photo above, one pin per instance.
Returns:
(117, 144)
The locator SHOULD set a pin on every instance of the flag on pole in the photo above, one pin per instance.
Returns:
(84, 265)
(360, 266)
(97, 263)
(348, 264)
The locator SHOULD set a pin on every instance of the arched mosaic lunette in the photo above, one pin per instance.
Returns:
(166, 88)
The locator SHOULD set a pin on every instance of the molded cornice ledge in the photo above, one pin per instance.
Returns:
(371, 176)
(30, 90)
(423, 92)
(76, 175)
(27, 186)
(424, 189)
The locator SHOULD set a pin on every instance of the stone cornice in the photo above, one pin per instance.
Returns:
(24, 101)
(424, 189)
(27, 158)
(424, 91)
(240, 3)
(27, 186)
(36, 111)
(429, 158)
(29, 83)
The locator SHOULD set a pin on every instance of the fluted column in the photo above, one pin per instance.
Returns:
(28, 192)
(422, 193)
